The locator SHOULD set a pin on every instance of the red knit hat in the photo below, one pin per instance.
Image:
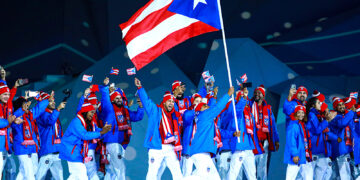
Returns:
(300, 108)
(168, 96)
(199, 106)
(349, 102)
(44, 95)
(175, 84)
(3, 88)
(301, 88)
(194, 96)
(336, 101)
(92, 99)
(262, 89)
(86, 107)
(113, 95)
(318, 95)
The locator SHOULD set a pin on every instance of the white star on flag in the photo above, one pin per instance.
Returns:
(196, 2)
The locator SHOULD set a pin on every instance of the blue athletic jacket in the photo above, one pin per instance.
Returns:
(356, 135)
(246, 142)
(17, 129)
(46, 124)
(337, 125)
(108, 115)
(294, 143)
(204, 136)
(73, 140)
(320, 141)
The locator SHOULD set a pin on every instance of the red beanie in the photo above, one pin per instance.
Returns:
(262, 89)
(92, 99)
(175, 84)
(113, 95)
(3, 88)
(318, 95)
(336, 101)
(168, 96)
(44, 95)
(86, 107)
(199, 106)
(194, 96)
(302, 88)
(349, 102)
(300, 108)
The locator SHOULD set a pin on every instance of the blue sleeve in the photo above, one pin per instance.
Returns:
(202, 92)
(148, 104)
(105, 99)
(81, 132)
(81, 102)
(188, 117)
(291, 135)
(214, 111)
(341, 122)
(289, 107)
(212, 102)
(136, 115)
(50, 118)
(240, 105)
(39, 108)
(3, 123)
(332, 136)
(276, 134)
(313, 125)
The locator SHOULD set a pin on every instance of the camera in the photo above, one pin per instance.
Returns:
(67, 93)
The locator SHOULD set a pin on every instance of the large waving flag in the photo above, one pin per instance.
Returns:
(162, 24)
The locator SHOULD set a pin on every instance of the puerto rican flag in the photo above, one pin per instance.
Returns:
(205, 74)
(354, 95)
(87, 78)
(131, 71)
(243, 78)
(114, 71)
(162, 24)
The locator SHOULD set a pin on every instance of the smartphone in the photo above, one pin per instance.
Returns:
(33, 93)
(23, 81)
(293, 86)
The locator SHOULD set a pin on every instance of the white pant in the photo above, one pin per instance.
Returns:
(322, 167)
(356, 171)
(343, 162)
(9, 166)
(77, 171)
(116, 167)
(205, 167)
(156, 157)
(187, 165)
(306, 171)
(261, 162)
(239, 158)
(223, 163)
(52, 162)
(161, 170)
(28, 166)
(91, 167)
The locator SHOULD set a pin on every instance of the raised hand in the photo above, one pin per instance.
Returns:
(105, 129)
(106, 81)
(137, 82)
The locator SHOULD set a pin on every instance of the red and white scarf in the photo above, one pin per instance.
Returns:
(28, 131)
(85, 148)
(122, 119)
(261, 116)
(5, 111)
(169, 129)
(307, 141)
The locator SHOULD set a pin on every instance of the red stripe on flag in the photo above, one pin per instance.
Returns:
(150, 22)
(133, 18)
(170, 41)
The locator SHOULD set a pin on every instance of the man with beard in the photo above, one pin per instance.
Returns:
(50, 136)
(162, 136)
(295, 97)
(114, 112)
(266, 136)
(342, 125)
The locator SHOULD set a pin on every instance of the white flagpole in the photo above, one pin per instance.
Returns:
(227, 65)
